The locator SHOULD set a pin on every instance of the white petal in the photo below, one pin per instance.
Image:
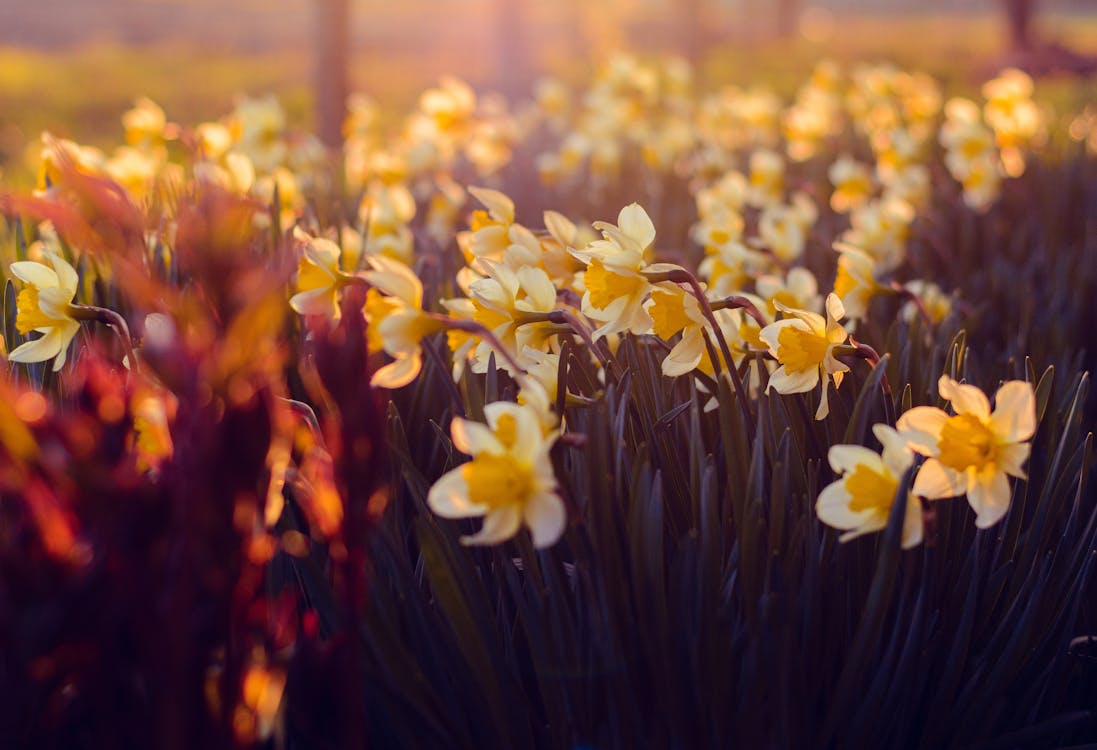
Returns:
(393, 277)
(449, 497)
(1012, 457)
(498, 205)
(1014, 417)
(66, 275)
(635, 223)
(42, 348)
(913, 523)
(935, 481)
(315, 302)
(686, 354)
(989, 497)
(832, 507)
(897, 454)
(397, 373)
(846, 458)
(966, 399)
(473, 438)
(540, 291)
(546, 518)
(921, 426)
(31, 272)
(798, 382)
(500, 525)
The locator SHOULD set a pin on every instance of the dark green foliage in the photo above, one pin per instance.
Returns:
(696, 601)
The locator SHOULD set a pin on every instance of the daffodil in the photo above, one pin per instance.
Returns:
(318, 277)
(855, 283)
(500, 302)
(804, 344)
(615, 287)
(860, 501)
(397, 322)
(509, 481)
(852, 184)
(45, 305)
(975, 450)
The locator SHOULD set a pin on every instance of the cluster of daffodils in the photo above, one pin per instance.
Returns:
(984, 145)
(838, 179)
(972, 452)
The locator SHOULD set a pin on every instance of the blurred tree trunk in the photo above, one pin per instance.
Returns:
(1019, 17)
(693, 31)
(332, 61)
(788, 17)
(512, 60)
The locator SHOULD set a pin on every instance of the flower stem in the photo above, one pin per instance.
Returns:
(116, 323)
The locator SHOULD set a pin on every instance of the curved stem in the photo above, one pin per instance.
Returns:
(116, 323)
(477, 329)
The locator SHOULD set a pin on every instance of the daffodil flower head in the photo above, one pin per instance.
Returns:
(975, 450)
(318, 277)
(803, 343)
(615, 287)
(509, 481)
(44, 306)
(860, 501)
(397, 323)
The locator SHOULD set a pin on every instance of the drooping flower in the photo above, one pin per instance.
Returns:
(318, 277)
(397, 322)
(44, 305)
(860, 501)
(975, 450)
(803, 344)
(509, 481)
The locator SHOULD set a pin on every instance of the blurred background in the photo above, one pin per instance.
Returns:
(73, 66)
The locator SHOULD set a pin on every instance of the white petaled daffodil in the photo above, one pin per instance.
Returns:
(397, 322)
(860, 501)
(673, 310)
(45, 305)
(614, 280)
(509, 481)
(319, 277)
(976, 450)
(803, 343)
(499, 301)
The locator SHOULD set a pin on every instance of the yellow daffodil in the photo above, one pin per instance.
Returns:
(798, 290)
(318, 277)
(855, 283)
(44, 305)
(852, 184)
(615, 287)
(767, 178)
(803, 344)
(500, 300)
(936, 304)
(974, 451)
(509, 481)
(860, 501)
(397, 323)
